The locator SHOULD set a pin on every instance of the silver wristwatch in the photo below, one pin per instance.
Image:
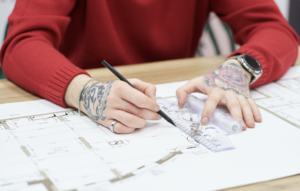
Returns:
(251, 65)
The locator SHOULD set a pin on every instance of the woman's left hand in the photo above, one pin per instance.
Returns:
(228, 85)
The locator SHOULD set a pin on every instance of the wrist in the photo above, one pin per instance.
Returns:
(240, 67)
(74, 88)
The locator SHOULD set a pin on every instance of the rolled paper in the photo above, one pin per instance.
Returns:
(188, 122)
(219, 118)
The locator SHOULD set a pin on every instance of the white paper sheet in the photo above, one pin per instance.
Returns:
(283, 97)
(276, 90)
(293, 72)
(269, 151)
(61, 149)
(292, 84)
(20, 109)
(256, 95)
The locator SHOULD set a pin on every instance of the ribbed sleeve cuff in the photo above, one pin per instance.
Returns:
(264, 77)
(58, 83)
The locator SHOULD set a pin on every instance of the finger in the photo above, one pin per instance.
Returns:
(255, 110)
(146, 88)
(132, 109)
(128, 119)
(120, 128)
(135, 97)
(247, 112)
(185, 90)
(234, 107)
(210, 105)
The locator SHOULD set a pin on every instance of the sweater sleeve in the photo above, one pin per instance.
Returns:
(29, 55)
(262, 32)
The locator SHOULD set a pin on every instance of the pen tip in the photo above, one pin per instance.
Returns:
(172, 123)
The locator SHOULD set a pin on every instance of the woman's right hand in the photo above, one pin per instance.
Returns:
(106, 101)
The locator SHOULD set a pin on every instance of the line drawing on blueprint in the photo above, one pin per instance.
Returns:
(39, 151)
(282, 99)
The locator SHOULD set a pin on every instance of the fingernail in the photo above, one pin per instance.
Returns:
(249, 121)
(178, 100)
(156, 108)
(243, 125)
(204, 121)
(159, 117)
(153, 97)
(258, 117)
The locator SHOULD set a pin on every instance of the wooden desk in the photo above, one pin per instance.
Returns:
(156, 73)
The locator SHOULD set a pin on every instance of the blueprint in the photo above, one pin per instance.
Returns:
(282, 97)
(65, 151)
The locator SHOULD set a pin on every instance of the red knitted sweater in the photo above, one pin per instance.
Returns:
(49, 42)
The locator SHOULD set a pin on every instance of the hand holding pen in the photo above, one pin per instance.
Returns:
(114, 104)
(115, 72)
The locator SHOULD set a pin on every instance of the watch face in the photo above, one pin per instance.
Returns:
(252, 62)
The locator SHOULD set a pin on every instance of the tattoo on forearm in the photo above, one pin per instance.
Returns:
(94, 99)
(229, 77)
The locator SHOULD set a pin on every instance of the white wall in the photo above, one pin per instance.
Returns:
(6, 7)
(284, 6)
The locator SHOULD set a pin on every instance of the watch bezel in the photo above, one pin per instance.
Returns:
(246, 62)
(255, 73)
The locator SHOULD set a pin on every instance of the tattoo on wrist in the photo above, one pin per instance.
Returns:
(94, 99)
(229, 77)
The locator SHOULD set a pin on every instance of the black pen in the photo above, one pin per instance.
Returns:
(115, 72)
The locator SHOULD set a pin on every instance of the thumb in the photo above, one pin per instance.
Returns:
(184, 90)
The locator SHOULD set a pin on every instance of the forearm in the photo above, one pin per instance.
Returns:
(30, 54)
(39, 68)
(73, 90)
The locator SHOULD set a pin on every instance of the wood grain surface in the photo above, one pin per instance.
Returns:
(157, 73)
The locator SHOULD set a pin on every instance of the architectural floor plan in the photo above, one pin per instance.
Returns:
(65, 151)
(282, 98)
